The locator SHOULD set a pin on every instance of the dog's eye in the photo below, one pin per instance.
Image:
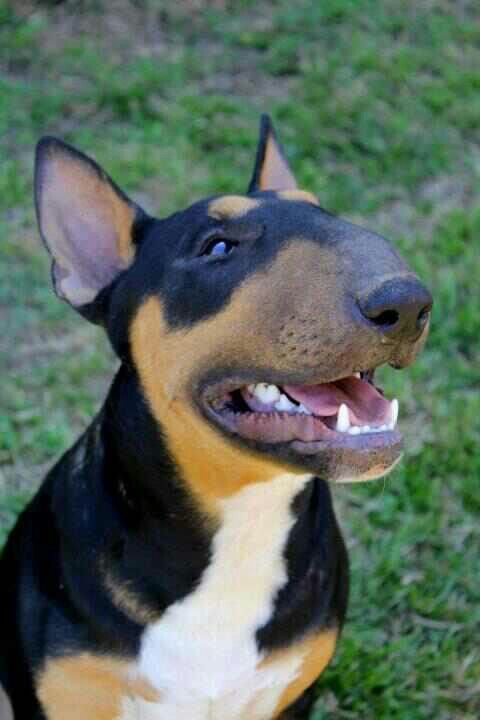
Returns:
(218, 247)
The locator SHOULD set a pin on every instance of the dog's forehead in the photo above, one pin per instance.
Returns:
(266, 207)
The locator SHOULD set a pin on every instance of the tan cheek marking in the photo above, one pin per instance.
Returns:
(86, 190)
(317, 652)
(230, 206)
(167, 362)
(239, 336)
(298, 195)
(85, 686)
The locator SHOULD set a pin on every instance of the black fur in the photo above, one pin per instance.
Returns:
(316, 594)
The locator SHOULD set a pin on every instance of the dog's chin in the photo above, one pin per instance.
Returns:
(343, 430)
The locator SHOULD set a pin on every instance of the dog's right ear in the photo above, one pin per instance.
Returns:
(87, 223)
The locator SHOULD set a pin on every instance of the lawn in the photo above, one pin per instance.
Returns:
(378, 105)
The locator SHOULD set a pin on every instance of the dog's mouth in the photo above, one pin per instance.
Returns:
(347, 422)
(280, 413)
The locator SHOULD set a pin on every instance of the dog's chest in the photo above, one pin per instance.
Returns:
(201, 656)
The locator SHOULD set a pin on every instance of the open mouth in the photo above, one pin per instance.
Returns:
(332, 412)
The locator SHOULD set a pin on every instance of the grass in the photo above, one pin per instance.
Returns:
(378, 106)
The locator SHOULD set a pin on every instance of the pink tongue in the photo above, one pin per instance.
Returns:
(365, 403)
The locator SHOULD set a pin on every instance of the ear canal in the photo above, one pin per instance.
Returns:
(271, 171)
(85, 221)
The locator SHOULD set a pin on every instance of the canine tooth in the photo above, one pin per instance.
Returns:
(267, 393)
(394, 410)
(357, 375)
(343, 419)
(284, 404)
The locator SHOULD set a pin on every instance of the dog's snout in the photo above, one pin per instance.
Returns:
(399, 307)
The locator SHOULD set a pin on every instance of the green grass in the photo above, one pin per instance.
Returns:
(378, 105)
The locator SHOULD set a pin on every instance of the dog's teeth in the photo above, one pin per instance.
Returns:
(343, 419)
(394, 415)
(357, 375)
(284, 404)
(302, 409)
(354, 430)
(267, 394)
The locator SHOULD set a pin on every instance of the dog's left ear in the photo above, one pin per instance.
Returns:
(86, 222)
(271, 171)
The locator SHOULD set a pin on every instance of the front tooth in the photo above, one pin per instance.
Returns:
(394, 413)
(343, 419)
(267, 394)
(354, 430)
(284, 404)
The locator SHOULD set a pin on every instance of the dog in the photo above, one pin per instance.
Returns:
(182, 560)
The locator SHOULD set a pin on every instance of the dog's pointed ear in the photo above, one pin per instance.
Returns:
(85, 220)
(271, 171)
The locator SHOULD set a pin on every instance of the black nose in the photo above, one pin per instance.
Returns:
(399, 307)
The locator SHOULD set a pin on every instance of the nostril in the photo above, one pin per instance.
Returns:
(387, 318)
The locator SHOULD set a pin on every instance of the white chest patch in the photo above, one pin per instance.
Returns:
(201, 656)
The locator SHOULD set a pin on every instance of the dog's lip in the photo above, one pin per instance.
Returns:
(373, 441)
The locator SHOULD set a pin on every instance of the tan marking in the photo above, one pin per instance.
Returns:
(231, 206)
(275, 173)
(317, 652)
(298, 195)
(126, 600)
(213, 467)
(87, 686)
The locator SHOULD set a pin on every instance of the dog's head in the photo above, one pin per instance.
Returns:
(254, 322)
